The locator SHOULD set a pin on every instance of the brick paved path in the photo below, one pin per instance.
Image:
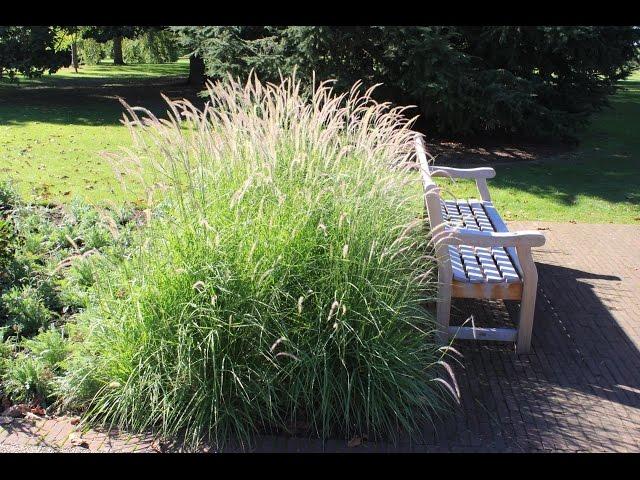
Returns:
(579, 389)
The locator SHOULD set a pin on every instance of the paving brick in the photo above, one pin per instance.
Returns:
(578, 391)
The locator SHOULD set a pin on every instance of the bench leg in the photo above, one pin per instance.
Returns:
(528, 302)
(443, 310)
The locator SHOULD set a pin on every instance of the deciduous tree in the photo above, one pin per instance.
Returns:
(103, 34)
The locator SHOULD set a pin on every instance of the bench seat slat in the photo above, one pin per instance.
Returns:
(475, 264)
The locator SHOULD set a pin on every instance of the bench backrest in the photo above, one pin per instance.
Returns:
(431, 190)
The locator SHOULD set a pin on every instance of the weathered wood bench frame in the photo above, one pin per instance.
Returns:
(519, 284)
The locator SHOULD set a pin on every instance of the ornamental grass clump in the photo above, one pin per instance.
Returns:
(279, 282)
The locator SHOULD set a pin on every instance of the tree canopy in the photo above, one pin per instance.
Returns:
(31, 51)
(517, 80)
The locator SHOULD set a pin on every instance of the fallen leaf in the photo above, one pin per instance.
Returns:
(354, 442)
(77, 441)
(38, 410)
(74, 421)
(159, 446)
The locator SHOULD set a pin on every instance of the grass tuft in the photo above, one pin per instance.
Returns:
(279, 282)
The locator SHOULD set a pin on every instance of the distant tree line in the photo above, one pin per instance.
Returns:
(34, 50)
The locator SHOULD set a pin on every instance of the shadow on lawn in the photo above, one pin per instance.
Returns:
(605, 165)
(88, 105)
(614, 178)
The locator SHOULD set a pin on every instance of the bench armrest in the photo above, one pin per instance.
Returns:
(472, 173)
(465, 236)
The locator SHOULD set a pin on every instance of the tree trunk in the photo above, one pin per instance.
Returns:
(196, 70)
(74, 56)
(117, 51)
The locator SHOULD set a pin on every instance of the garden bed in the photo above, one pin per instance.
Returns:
(278, 284)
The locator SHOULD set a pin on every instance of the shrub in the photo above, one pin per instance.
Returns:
(90, 51)
(27, 378)
(9, 197)
(31, 374)
(281, 281)
(7, 348)
(26, 309)
(6, 245)
(49, 346)
(151, 47)
(132, 51)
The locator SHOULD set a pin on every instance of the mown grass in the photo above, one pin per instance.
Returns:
(103, 74)
(53, 129)
(598, 182)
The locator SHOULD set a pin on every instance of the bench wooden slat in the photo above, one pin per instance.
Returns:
(476, 265)
(495, 334)
(471, 265)
(452, 215)
(481, 216)
(500, 226)
(489, 267)
(504, 263)
(456, 264)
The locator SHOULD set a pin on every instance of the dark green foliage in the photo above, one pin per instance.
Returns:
(115, 35)
(524, 81)
(27, 379)
(48, 257)
(30, 51)
(51, 347)
(104, 33)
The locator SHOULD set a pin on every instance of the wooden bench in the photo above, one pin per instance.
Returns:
(477, 255)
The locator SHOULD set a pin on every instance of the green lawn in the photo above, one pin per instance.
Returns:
(103, 74)
(599, 182)
(52, 130)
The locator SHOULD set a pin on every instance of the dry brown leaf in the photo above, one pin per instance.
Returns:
(354, 442)
(159, 446)
(77, 440)
(38, 410)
